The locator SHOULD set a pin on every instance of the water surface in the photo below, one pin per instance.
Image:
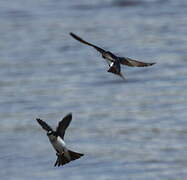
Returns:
(127, 130)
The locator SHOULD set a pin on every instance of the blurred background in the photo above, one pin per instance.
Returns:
(134, 129)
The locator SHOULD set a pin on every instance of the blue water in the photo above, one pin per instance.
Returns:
(132, 130)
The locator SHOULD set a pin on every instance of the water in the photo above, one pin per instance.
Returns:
(127, 130)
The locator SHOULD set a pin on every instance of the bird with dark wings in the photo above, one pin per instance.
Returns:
(64, 155)
(114, 61)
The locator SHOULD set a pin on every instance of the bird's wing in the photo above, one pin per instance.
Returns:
(44, 125)
(134, 63)
(62, 126)
(85, 42)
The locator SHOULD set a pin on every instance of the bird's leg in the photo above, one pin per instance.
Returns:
(59, 154)
(59, 158)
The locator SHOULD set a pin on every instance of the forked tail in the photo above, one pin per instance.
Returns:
(113, 70)
(62, 159)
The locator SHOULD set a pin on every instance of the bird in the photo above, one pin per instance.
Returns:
(64, 155)
(114, 62)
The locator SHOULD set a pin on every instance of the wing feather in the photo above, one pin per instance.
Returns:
(133, 63)
(85, 42)
(62, 126)
(44, 125)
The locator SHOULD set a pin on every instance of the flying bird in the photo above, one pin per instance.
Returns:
(64, 155)
(114, 61)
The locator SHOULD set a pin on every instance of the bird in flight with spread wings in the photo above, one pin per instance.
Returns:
(64, 155)
(114, 61)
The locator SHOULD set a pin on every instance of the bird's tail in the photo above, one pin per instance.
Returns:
(74, 155)
(122, 76)
(62, 159)
(113, 70)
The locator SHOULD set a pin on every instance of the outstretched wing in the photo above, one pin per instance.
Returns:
(134, 63)
(62, 126)
(44, 125)
(85, 42)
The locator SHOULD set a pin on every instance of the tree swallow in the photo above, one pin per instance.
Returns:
(114, 61)
(64, 155)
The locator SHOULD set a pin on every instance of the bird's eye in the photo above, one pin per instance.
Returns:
(49, 133)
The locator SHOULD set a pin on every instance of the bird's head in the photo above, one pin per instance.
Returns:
(50, 133)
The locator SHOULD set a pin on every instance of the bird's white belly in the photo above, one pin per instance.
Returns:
(59, 145)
